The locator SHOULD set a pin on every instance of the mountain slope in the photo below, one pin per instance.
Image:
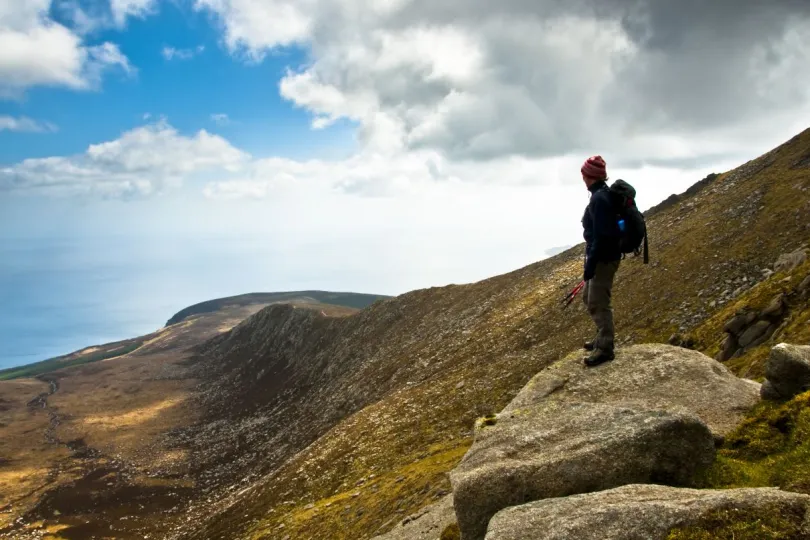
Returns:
(343, 427)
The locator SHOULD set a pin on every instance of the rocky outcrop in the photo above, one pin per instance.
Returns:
(749, 328)
(426, 525)
(648, 512)
(649, 377)
(555, 449)
(790, 261)
(787, 372)
(653, 415)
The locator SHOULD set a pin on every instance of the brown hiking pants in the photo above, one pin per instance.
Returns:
(597, 298)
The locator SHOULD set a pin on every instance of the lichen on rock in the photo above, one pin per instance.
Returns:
(652, 512)
(555, 449)
(650, 377)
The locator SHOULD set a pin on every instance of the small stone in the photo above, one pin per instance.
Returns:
(460, 385)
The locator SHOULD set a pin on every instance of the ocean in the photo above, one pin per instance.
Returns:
(58, 295)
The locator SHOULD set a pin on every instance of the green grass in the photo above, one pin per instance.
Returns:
(770, 448)
(739, 524)
(48, 366)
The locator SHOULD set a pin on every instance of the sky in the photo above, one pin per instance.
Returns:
(181, 150)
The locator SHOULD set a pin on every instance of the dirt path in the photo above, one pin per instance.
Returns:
(41, 402)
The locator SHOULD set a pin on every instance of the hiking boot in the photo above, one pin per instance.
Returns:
(589, 345)
(599, 357)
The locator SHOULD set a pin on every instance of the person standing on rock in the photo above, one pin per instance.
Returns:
(602, 258)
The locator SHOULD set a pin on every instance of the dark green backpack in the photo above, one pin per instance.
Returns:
(634, 233)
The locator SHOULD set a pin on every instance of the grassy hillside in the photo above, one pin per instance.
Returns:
(350, 300)
(407, 378)
(85, 356)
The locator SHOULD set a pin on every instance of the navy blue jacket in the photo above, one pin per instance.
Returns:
(601, 229)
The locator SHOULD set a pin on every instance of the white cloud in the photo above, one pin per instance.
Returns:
(171, 53)
(220, 119)
(472, 92)
(141, 162)
(36, 51)
(105, 56)
(83, 19)
(254, 26)
(121, 9)
(24, 124)
(481, 80)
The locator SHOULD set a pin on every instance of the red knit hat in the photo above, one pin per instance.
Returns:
(595, 168)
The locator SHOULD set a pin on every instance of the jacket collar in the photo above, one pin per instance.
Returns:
(597, 186)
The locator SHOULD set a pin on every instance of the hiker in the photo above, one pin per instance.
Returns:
(603, 255)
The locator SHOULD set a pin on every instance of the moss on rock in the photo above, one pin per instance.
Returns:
(490, 420)
(770, 448)
(743, 524)
(451, 532)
